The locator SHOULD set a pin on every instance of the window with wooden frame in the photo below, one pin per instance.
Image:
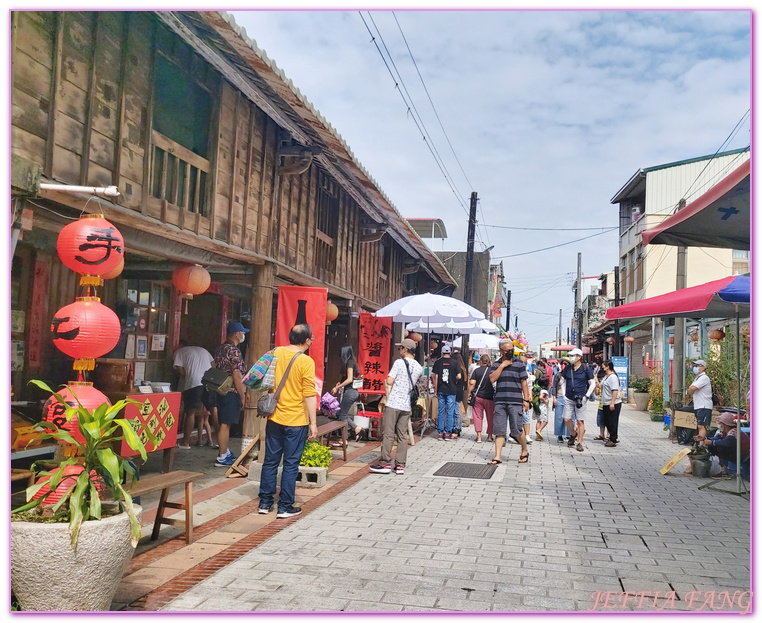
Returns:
(327, 222)
(183, 104)
(148, 318)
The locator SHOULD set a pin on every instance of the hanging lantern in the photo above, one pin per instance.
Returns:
(71, 473)
(629, 339)
(610, 340)
(85, 329)
(717, 335)
(113, 274)
(190, 279)
(416, 337)
(331, 312)
(91, 247)
(746, 330)
(55, 412)
(671, 339)
(694, 337)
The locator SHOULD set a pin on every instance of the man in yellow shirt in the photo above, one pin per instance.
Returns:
(289, 427)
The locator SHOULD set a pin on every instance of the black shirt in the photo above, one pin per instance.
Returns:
(486, 390)
(446, 370)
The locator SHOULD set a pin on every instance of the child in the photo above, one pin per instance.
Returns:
(542, 418)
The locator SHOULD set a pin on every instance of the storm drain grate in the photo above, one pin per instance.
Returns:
(466, 470)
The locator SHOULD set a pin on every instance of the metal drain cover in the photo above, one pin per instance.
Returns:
(466, 470)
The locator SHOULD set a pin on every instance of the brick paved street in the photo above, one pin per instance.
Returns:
(545, 536)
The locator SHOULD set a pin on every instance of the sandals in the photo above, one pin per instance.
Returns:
(494, 462)
(599, 438)
(524, 458)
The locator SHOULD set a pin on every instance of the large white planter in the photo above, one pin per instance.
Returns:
(641, 400)
(48, 575)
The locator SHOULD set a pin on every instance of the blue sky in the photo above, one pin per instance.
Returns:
(548, 112)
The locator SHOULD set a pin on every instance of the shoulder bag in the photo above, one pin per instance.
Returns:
(472, 397)
(413, 387)
(215, 380)
(268, 402)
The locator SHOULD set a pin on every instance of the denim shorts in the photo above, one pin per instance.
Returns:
(599, 419)
(507, 418)
(526, 417)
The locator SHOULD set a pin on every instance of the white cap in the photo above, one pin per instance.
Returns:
(575, 351)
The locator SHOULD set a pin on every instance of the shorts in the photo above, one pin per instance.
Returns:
(192, 398)
(229, 408)
(570, 409)
(508, 417)
(703, 416)
(209, 399)
(542, 416)
(599, 419)
(526, 417)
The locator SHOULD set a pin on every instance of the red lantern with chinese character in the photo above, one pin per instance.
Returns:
(113, 274)
(717, 335)
(86, 329)
(69, 479)
(671, 339)
(629, 339)
(89, 397)
(91, 247)
(190, 279)
(331, 312)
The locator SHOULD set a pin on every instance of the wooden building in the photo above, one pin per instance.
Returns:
(219, 160)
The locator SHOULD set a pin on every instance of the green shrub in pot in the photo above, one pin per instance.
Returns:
(316, 455)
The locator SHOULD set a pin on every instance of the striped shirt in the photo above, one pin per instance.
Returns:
(508, 387)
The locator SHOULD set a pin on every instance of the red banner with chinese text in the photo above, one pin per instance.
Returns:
(299, 304)
(375, 352)
(39, 296)
(159, 413)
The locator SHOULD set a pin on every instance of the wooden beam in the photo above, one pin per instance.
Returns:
(147, 136)
(247, 176)
(120, 105)
(54, 87)
(84, 163)
(260, 202)
(214, 160)
(234, 158)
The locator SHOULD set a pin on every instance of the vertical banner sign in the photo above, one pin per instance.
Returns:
(39, 295)
(297, 305)
(375, 351)
(620, 369)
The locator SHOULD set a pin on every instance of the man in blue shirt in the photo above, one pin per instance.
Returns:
(580, 385)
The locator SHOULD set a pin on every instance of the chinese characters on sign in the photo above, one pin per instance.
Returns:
(157, 412)
(375, 348)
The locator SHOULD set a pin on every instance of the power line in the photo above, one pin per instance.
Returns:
(555, 246)
(551, 228)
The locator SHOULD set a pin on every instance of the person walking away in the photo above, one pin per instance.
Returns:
(511, 398)
(291, 424)
(612, 403)
(474, 364)
(228, 358)
(558, 391)
(579, 389)
(484, 405)
(461, 408)
(401, 380)
(542, 417)
(191, 362)
(445, 375)
(349, 372)
(700, 392)
(599, 376)
(526, 417)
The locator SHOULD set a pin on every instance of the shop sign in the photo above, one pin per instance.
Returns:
(375, 351)
(159, 412)
(621, 369)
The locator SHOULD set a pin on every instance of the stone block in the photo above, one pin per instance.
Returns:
(311, 477)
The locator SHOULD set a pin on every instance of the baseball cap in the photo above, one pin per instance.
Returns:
(700, 362)
(575, 351)
(446, 348)
(234, 327)
(407, 344)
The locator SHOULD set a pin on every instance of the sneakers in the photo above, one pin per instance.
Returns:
(444, 437)
(226, 460)
(263, 510)
(560, 439)
(292, 511)
(571, 441)
(579, 447)
(380, 468)
(399, 468)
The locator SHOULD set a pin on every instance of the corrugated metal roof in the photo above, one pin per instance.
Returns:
(311, 127)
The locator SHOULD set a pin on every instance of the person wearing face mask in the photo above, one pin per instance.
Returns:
(701, 393)
(228, 358)
(580, 386)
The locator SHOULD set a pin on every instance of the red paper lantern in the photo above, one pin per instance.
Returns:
(331, 312)
(91, 247)
(671, 339)
(416, 337)
(113, 274)
(694, 337)
(71, 473)
(717, 334)
(629, 339)
(190, 279)
(89, 397)
(86, 329)
(610, 340)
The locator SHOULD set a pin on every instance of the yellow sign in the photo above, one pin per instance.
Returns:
(675, 460)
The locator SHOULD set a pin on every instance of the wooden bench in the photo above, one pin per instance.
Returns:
(22, 474)
(324, 433)
(163, 482)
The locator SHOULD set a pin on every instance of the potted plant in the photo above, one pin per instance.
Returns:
(314, 464)
(640, 393)
(70, 556)
(700, 461)
(656, 391)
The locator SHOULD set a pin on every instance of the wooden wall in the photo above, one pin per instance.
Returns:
(82, 108)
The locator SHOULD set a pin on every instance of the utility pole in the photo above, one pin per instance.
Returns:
(578, 300)
(558, 343)
(617, 342)
(468, 286)
(678, 377)
(508, 311)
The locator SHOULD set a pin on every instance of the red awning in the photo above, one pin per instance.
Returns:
(562, 347)
(721, 217)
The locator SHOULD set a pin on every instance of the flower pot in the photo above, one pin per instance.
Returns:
(641, 400)
(700, 465)
(656, 417)
(48, 575)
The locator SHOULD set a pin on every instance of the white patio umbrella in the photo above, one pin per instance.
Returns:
(474, 326)
(430, 307)
(479, 340)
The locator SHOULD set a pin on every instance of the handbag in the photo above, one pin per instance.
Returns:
(472, 397)
(262, 373)
(215, 380)
(357, 383)
(413, 388)
(268, 402)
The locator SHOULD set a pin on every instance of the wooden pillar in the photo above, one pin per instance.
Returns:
(353, 330)
(259, 338)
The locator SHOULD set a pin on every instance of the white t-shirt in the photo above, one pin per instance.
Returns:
(195, 360)
(472, 367)
(702, 398)
(609, 385)
(399, 395)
